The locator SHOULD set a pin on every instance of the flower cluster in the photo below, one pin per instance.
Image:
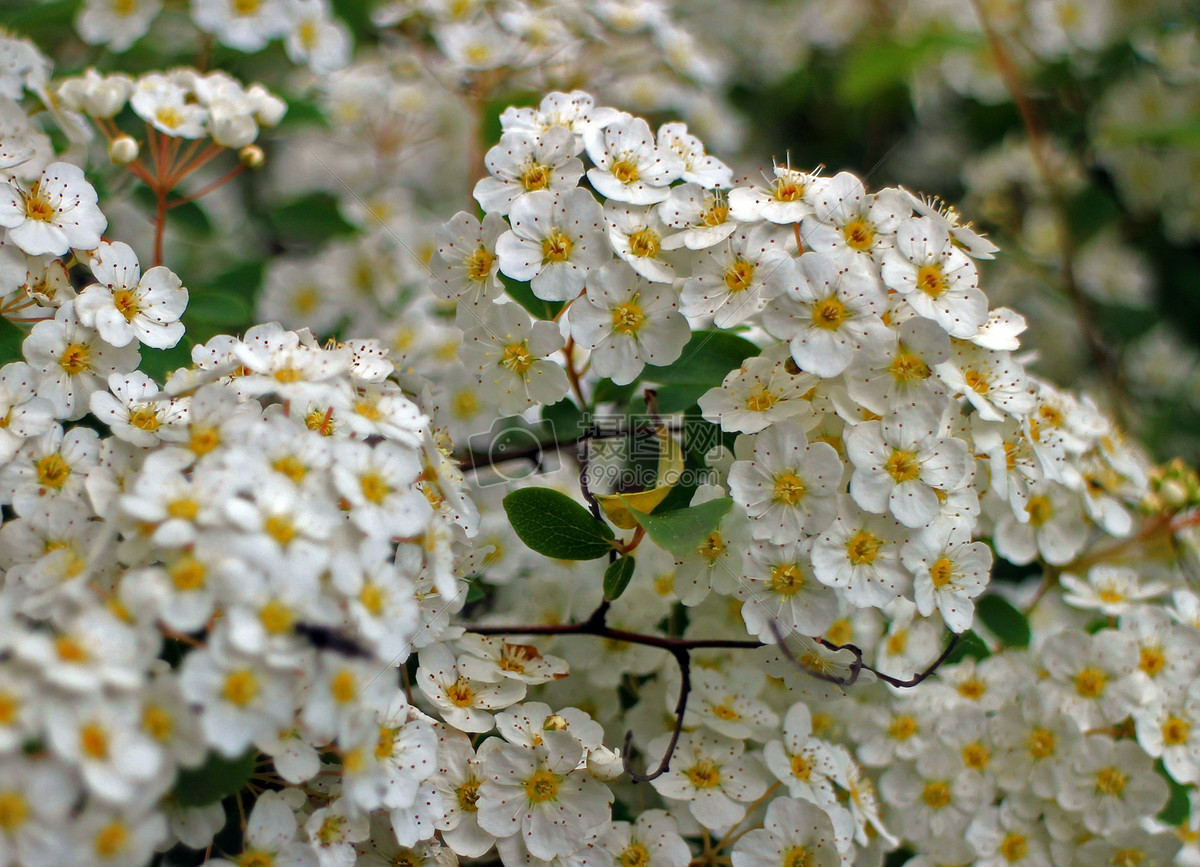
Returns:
(884, 589)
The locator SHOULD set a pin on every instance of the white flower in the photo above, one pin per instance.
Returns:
(758, 394)
(830, 313)
(509, 352)
(460, 774)
(636, 234)
(134, 410)
(317, 39)
(859, 554)
(244, 26)
(241, 699)
(1035, 742)
(127, 305)
(1169, 728)
(627, 323)
(56, 213)
(698, 167)
(651, 841)
(935, 277)
(1111, 590)
(1112, 783)
(169, 104)
(464, 703)
(788, 489)
(117, 760)
(793, 832)
(523, 162)
(948, 573)
(734, 281)
(23, 413)
(116, 24)
(846, 218)
(539, 793)
(934, 797)
(378, 482)
(780, 592)
(901, 469)
(788, 198)
(1092, 673)
(629, 166)
(554, 242)
(1051, 525)
(726, 702)
(700, 218)
(712, 775)
(271, 837)
(993, 382)
(804, 763)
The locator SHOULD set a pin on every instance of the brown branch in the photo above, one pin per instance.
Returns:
(683, 658)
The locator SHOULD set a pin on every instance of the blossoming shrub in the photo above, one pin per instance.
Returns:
(759, 545)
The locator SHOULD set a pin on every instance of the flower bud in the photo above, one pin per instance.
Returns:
(554, 723)
(123, 150)
(252, 156)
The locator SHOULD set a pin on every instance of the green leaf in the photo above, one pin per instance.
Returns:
(1006, 622)
(160, 363)
(12, 336)
(879, 66)
(215, 307)
(314, 218)
(684, 530)
(216, 779)
(522, 293)
(563, 421)
(616, 577)
(970, 645)
(1177, 809)
(554, 525)
(705, 360)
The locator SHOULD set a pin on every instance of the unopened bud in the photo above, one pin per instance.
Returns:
(554, 723)
(123, 150)
(1174, 494)
(252, 156)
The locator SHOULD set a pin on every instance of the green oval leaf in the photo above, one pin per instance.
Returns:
(1006, 622)
(216, 779)
(616, 577)
(705, 360)
(553, 524)
(684, 530)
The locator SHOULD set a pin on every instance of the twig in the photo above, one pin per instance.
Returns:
(683, 658)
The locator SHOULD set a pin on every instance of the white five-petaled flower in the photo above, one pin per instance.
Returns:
(56, 213)
(524, 162)
(788, 489)
(629, 166)
(829, 314)
(627, 323)
(126, 305)
(554, 242)
(937, 279)
(509, 353)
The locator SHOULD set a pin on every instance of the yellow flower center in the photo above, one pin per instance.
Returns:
(111, 840)
(786, 189)
(1175, 731)
(636, 855)
(713, 547)
(10, 706)
(36, 207)
(1090, 683)
(907, 368)
(343, 686)
(245, 7)
(52, 471)
(704, 774)
(93, 741)
(972, 689)
(479, 264)
(625, 171)
(1041, 743)
(517, 357)
(628, 318)
(739, 275)
(541, 787)
(859, 234)
(1111, 781)
(76, 359)
(716, 214)
(1040, 510)
(127, 303)
(291, 467)
(931, 280)
(829, 314)
(468, 794)
(903, 466)
(976, 381)
(1014, 847)
(460, 693)
(372, 598)
(789, 488)
(330, 831)
(786, 579)
(801, 767)
(902, 727)
(645, 243)
(936, 794)
(70, 650)
(276, 617)
(556, 247)
(726, 712)
(241, 687)
(1152, 660)
(941, 572)
(187, 573)
(144, 418)
(863, 547)
(14, 810)
(256, 858)
(157, 722)
(535, 177)
(204, 439)
(976, 756)
(374, 488)
(797, 856)
(760, 398)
